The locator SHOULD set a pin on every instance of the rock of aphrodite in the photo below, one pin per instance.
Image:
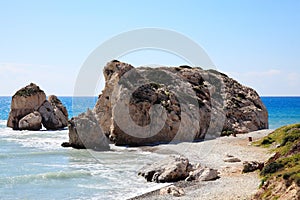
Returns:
(85, 132)
(142, 106)
(30, 110)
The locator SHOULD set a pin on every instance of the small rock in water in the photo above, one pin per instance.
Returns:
(32, 121)
(85, 133)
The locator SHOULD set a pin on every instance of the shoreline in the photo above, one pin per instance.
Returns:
(232, 184)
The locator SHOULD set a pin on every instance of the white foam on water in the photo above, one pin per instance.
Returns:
(44, 140)
(39, 158)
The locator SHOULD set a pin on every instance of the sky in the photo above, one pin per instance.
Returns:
(46, 42)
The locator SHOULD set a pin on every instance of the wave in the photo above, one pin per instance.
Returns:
(45, 176)
(44, 140)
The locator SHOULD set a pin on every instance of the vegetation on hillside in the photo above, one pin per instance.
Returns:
(284, 166)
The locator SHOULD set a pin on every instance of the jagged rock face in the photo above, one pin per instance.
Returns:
(30, 109)
(54, 114)
(52, 117)
(245, 112)
(142, 106)
(32, 121)
(57, 104)
(85, 132)
(103, 108)
(24, 102)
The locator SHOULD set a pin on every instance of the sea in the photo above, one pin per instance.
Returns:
(33, 165)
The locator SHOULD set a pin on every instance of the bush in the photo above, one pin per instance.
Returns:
(271, 168)
(267, 140)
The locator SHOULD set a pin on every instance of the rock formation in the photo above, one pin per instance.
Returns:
(24, 102)
(54, 114)
(85, 132)
(142, 106)
(30, 109)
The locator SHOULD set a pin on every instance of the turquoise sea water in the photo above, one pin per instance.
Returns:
(35, 166)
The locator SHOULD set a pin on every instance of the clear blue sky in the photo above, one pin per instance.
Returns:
(256, 42)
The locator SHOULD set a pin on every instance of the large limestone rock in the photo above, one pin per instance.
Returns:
(32, 121)
(142, 106)
(85, 132)
(24, 102)
(30, 109)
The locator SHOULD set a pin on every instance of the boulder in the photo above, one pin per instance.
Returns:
(54, 114)
(145, 106)
(252, 166)
(202, 174)
(232, 160)
(32, 121)
(208, 174)
(170, 169)
(85, 133)
(57, 104)
(172, 190)
(25, 101)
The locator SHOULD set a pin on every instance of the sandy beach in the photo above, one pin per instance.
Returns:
(232, 184)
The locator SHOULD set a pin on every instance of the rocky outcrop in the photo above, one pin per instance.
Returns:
(57, 105)
(30, 110)
(142, 106)
(85, 132)
(172, 169)
(54, 114)
(24, 102)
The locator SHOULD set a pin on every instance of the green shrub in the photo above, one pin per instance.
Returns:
(271, 168)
